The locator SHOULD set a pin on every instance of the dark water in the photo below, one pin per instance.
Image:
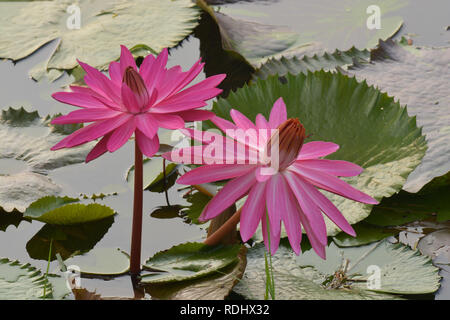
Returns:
(426, 19)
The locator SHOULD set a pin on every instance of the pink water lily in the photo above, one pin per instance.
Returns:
(289, 195)
(135, 101)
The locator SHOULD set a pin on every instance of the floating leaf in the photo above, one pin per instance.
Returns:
(436, 245)
(140, 25)
(215, 286)
(22, 281)
(153, 174)
(419, 78)
(365, 234)
(67, 240)
(10, 219)
(402, 271)
(167, 212)
(188, 261)
(61, 211)
(101, 261)
(26, 140)
(249, 30)
(371, 129)
(198, 201)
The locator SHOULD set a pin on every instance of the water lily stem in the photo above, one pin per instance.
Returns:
(165, 183)
(228, 227)
(136, 235)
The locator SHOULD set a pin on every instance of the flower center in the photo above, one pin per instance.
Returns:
(291, 135)
(137, 85)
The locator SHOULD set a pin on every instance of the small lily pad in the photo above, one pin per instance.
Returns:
(153, 175)
(101, 261)
(188, 261)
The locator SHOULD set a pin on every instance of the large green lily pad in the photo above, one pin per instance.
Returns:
(105, 25)
(22, 281)
(371, 129)
(62, 211)
(402, 271)
(258, 32)
(188, 261)
(26, 139)
(419, 77)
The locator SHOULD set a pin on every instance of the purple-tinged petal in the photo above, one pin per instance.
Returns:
(126, 60)
(99, 149)
(148, 146)
(129, 99)
(253, 211)
(334, 167)
(214, 172)
(86, 115)
(196, 115)
(147, 124)
(278, 115)
(316, 149)
(121, 135)
(232, 191)
(331, 183)
(309, 208)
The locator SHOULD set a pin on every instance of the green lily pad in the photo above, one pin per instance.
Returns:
(371, 129)
(10, 219)
(140, 25)
(408, 207)
(62, 211)
(26, 141)
(67, 240)
(167, 212)
(101, 261)
(198, 201)
(188, 261)
(419, 78)
(365, 234)
(153, 175)
(258, 32)
(22, 281)
(402, 271)
(215, 286)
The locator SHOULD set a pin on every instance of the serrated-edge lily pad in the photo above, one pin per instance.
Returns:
(27, 138)
(101, 261)
(22, 281)
(371, 129)
(188, 261)
(104, 25)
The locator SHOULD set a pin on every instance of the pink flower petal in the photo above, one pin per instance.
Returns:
(148, 146)
(78, 99)
(333, 167)
(278, 115)
(126, 60)
(172, 107)
(121, 135)
(332, 184)
(253, 211)
(240, 120)
(318, 247)
(187, 78)
(115, 73)
(309, 208)
(326, 206)
(86, 115)
(129, 99)
(169, 121)
(147, 124)
(316, 149)
(274, 236)
(214, 172)
(232, 191)
(98, 82)
(157, 71)
(146, 67)
(223, 124)
(99, 149)
(92, 132)
(261, 122)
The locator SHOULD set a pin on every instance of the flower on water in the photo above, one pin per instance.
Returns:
(135, 101)
(289, 194)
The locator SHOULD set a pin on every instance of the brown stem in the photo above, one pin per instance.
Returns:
(228, 227)
(136, 233)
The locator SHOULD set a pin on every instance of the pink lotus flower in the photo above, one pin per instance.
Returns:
(290, 194)
(134, 101)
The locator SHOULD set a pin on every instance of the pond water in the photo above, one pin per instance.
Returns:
(425, 21)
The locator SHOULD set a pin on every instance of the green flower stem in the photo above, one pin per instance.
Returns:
(136, 235)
